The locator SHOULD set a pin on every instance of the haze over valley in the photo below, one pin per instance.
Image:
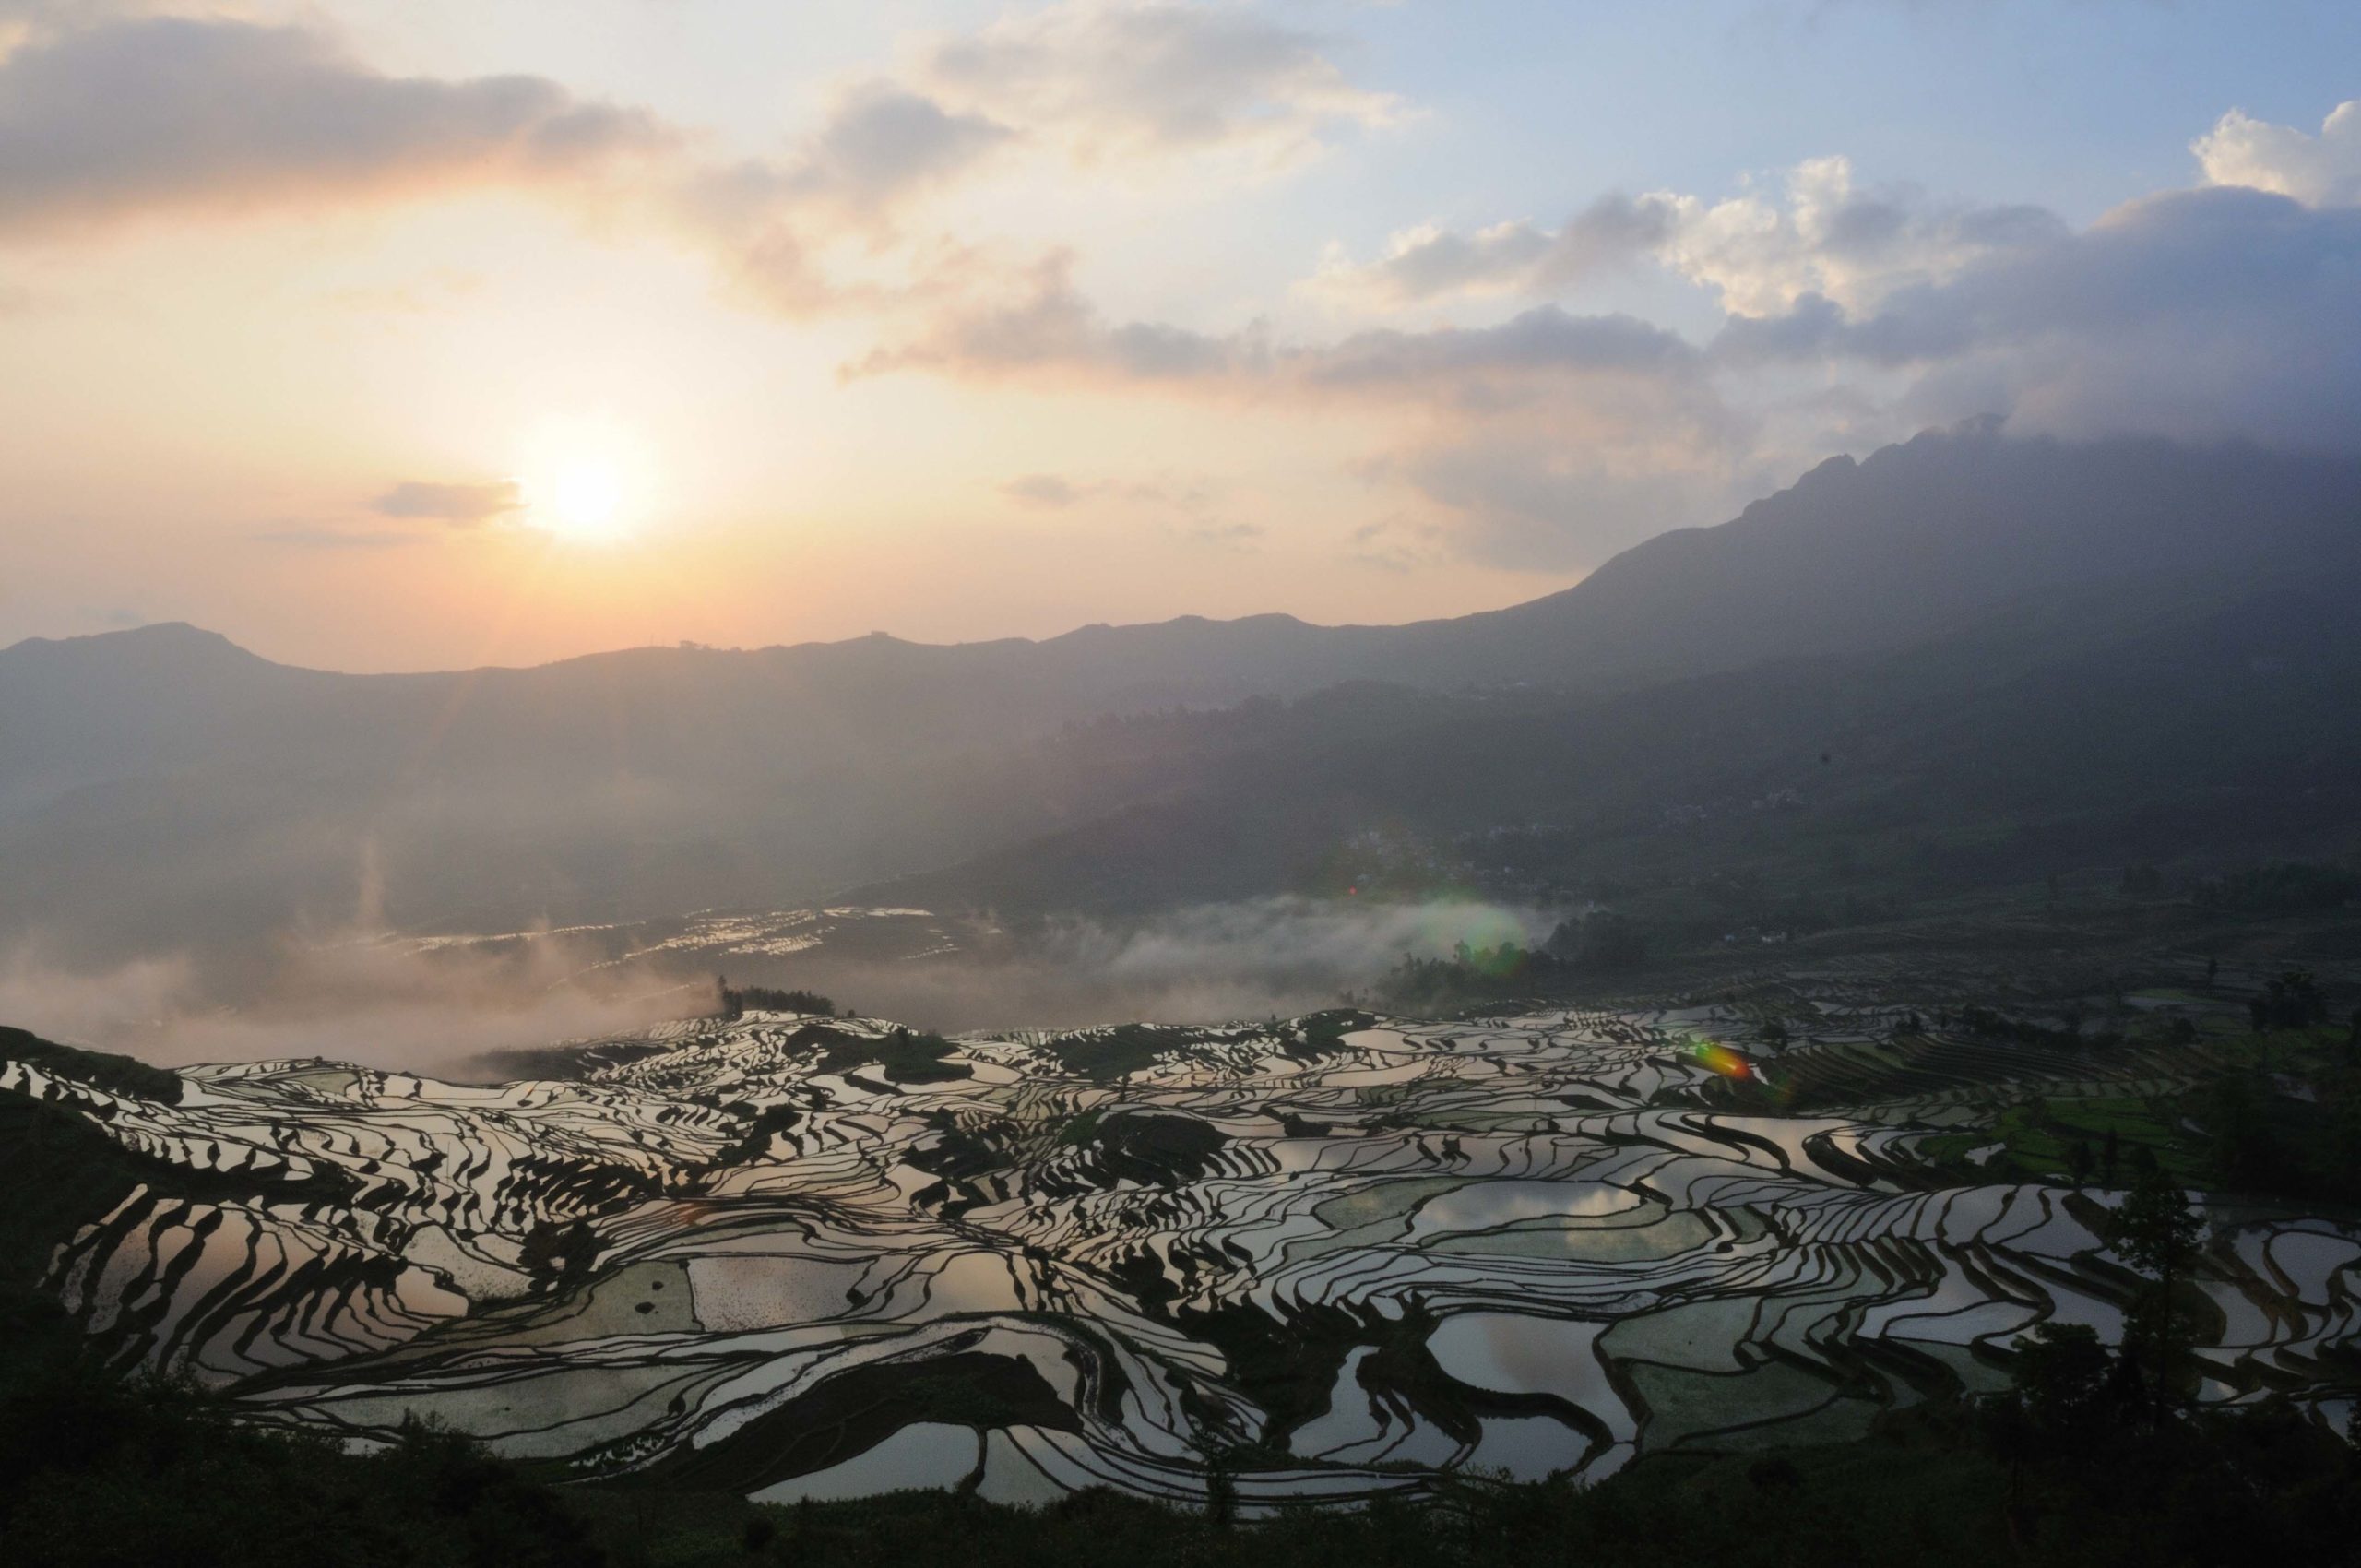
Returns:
(1109, 782)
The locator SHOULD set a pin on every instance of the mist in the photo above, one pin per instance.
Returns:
(1207, 962)
(377, 1000)
(360, 1000)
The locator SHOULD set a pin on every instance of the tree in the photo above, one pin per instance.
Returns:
(1611, 941)
(2156, 1231)
(2061, 1374)
(2292, 1001)
(2244, 1151)
(2061, 1382)
(1221, 1495)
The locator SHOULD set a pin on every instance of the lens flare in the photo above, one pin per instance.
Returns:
(1716, 1057)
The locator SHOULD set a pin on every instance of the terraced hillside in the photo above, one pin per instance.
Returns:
(799, 1257)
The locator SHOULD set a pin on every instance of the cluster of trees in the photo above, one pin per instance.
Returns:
(1603, 942)
(2292, 1001)
(737, 1002)
(1597, 946)
(1986, 1023)
(2286, 888)
(2082, 1161)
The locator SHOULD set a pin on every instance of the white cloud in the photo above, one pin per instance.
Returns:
(1107, 81)
(1824, 235)
(2320, 170)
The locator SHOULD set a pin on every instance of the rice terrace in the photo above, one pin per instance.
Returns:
(811, 1258)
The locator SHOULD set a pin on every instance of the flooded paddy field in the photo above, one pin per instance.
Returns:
(1327, 1257)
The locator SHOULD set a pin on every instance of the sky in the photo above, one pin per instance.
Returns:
(410, 334)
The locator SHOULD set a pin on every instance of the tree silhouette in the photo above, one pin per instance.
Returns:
(2156, 1231)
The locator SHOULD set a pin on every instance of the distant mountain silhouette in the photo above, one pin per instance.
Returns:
(162, 787)
(2069, 729)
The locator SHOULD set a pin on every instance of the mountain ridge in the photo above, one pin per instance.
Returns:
(163, 782)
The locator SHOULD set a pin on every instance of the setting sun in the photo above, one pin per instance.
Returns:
(584, 480)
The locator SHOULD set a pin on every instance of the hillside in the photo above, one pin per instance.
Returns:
(2150, 722)
(162, 787)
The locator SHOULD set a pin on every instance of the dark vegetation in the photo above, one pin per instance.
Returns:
(2274, 1116)
(1158, 1150)
(1600, 946)
(737, 1002)
(1109, 1054)
(116, 1075)
(904, 1057)
(2081, 1464)
(901, 1056)
(60, 1173)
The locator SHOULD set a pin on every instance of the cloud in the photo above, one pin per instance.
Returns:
(1429, 262)
(883, 141)
(137, 117)
(1222, 536)
(1525, 502)
(463, 504)
(1109, 81)
(1491, 366)
(1047, 491)
(2320, 170)
(1425, 262)
(2200, 314)
(178, 114)
(109, 115)
(880, 145)
(1549, 438)
(1758, 254)
(1191, 499)
(335, 539)
(1047, 333)
(1546, 439)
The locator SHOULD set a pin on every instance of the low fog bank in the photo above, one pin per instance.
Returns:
(385, 1003)
(1203, 964)
(362, 999)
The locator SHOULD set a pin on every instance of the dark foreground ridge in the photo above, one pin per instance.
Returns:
(95, 1470)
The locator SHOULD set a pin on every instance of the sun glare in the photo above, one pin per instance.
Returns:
(584, 480)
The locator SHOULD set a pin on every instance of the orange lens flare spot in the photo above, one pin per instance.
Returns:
(1723, 1060)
